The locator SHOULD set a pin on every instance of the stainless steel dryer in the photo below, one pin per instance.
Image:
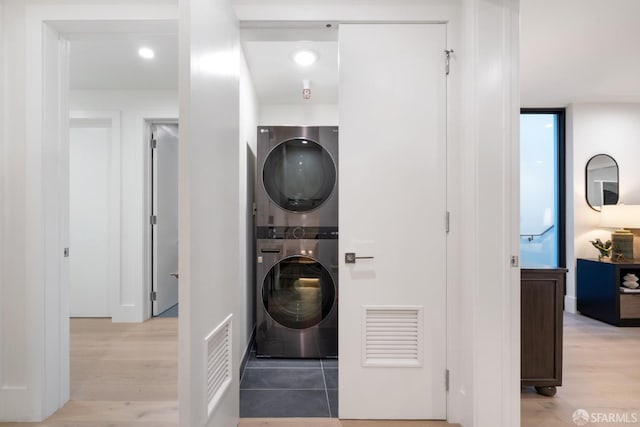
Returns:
(297, 176)
(297, 296)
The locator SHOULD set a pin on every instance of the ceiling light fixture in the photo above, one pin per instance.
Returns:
(305, 58)
(146, 52)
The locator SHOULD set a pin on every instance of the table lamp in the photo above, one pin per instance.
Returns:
(619, 217)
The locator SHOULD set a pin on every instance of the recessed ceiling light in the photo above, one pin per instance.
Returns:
(305, 58)
(146, 53)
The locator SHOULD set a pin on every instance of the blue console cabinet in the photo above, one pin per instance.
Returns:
(599, 293)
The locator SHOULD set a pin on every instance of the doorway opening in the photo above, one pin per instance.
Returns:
(292, 98)
(163, 157)
(116, 99)
(110, 82)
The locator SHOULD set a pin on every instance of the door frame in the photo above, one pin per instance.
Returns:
(42, 352)
(483, 299)
(149, 285)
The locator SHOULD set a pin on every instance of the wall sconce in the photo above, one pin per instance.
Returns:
(621, 217)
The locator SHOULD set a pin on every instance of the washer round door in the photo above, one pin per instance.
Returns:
(298, 292)
(299, 175)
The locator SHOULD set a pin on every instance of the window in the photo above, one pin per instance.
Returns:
(542, 241)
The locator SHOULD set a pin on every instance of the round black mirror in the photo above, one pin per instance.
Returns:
(602, 177)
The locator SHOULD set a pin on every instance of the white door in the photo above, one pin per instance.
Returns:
(392, 181)
(165, 210)
(89, 165)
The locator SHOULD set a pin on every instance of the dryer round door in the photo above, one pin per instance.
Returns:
(298, 292)
(299, 175)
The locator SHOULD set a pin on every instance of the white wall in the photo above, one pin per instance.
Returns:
(135, 108)
(592, 129)
(3, 168)
(34, 336)
(248, 139)
(298, 115)
(210, 217)
(18, 352)
(490, 105)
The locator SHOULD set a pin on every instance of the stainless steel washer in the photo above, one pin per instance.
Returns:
(297, 176)
(297, 297)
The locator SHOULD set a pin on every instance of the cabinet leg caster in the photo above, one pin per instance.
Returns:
(546, 391)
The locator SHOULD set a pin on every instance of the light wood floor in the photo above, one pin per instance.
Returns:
(125, 375)
(601, 374)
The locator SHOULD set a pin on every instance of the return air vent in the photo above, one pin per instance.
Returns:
(392, 336)
(217, 359)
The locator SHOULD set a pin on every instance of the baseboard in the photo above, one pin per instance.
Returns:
(570, 304)
(14, 404)
(127, 313)
(247, 351)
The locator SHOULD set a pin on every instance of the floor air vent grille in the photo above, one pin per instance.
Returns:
(217, 357)
(392, 336)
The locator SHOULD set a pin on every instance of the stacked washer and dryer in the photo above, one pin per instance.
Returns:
(297, 242)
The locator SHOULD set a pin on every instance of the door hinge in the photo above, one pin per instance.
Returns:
(447, 61)
(515, 261)
(446, 220)
(446, 379)
(153, 296)
(153, 219)
(66, 252)
(255, 209)
(153, 143)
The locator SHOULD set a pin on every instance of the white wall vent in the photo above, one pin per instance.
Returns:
(217, 365)
(392, 336)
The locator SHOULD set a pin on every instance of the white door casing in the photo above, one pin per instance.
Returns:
(392, 208)
(165, 211)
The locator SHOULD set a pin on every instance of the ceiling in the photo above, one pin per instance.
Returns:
(110, 61)
(579, 51)
(571, 51)
(276, 77)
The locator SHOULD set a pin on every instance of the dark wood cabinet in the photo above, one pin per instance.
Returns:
(542, 294)
(599, 293)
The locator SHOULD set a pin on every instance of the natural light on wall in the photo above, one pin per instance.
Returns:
(539, 189)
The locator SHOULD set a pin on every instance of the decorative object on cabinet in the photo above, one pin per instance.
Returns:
(630, 281)
(601, 181)
(541, 299)
(601, 294)
(603, 248)
(619, 217)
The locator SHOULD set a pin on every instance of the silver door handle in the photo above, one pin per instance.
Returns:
(350, 257)
(176, 275)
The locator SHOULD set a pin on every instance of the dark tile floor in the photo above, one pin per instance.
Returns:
(272, 388)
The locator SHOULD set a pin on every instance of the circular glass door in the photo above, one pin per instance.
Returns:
(298, 292)
(299, 175)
